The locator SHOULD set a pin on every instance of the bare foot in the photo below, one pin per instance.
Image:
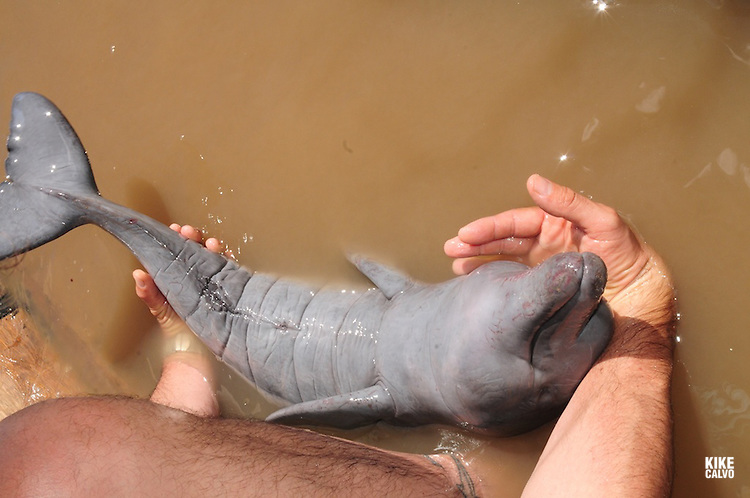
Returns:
(187, 379)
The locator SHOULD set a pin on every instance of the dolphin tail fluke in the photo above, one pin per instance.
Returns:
(46, 167)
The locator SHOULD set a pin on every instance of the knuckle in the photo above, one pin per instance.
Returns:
(569, 198)
(609, 216)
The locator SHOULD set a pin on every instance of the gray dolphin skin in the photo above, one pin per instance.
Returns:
(498, 351)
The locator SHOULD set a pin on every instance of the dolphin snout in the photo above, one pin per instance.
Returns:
(561, 274)
(570, 272)
(563, 291)
(540, 291)
(574, 337)
(594, 275)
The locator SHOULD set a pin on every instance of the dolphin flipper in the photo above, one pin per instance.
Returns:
(388, 280)
(347, 411)
(45, 161)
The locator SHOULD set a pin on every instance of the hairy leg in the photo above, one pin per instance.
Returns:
(119, 446)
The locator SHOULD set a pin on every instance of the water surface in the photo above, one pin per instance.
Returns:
(296, 131)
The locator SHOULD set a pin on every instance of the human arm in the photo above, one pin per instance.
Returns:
(615, 436)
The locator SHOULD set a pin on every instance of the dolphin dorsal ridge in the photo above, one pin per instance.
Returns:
(390, 282)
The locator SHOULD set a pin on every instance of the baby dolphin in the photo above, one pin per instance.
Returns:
(500, 350)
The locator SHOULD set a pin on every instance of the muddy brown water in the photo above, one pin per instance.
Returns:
(296, 131)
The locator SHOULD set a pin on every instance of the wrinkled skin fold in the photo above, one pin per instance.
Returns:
(500, 350)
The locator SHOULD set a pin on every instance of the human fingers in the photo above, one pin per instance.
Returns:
(214, 245)
(510, 233)
(521, 222)
(596, 220)
(190, 232)
(146, 290)
(512, 246)
(604, 232)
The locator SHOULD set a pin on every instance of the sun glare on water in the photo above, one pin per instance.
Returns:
(600, 5)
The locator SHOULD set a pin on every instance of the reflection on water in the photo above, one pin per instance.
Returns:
(728, 163)
(296, 131)
(728, 409)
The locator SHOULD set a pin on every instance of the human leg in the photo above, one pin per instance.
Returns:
(113, 446)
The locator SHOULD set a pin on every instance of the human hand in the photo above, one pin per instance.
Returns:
(638, 285)
(187, 380)
(145, 287)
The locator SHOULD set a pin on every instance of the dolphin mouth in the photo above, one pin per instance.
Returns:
(583, 277)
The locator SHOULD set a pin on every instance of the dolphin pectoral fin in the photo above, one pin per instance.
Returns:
(388, 280)
(346, 411)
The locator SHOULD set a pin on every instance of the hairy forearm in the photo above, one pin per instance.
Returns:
(614, 439)
(615, 436)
